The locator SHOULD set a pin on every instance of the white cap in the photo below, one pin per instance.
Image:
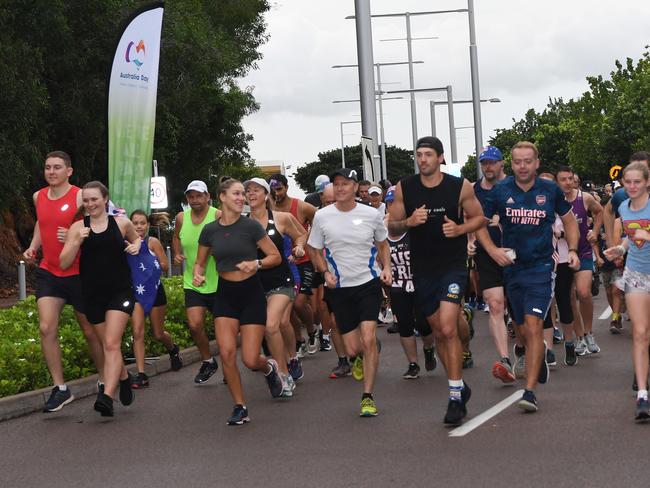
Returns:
(197, 185)
(374, 189)
(321, 182)
(260, 181)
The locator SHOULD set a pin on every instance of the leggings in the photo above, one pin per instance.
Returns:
(408, 317)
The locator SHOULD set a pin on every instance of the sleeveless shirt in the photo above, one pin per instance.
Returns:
(279, 276)
(52, 214)
(431, 251)
(189, 237)
(580, 211)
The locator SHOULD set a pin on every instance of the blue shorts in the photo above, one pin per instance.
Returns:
(529, 292)
(586, 264)
(446, 286)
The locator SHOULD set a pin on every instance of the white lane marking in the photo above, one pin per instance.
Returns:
(606, 313)
(467, 427)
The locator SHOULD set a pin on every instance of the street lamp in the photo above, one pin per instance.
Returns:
(342, 124)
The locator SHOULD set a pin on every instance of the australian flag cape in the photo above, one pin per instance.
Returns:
(145, 273)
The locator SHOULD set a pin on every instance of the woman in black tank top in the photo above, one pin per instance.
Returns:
(106, 284)
(278, 282)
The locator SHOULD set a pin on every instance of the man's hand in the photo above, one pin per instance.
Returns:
(179, 259)
(500, 256)
(592, 237)
(386, 276)
(471, 248)
(61, 233)
(330, 279)
(418, 217)
(298, 251)
(450, 228)
(30, 254)
(198, 280)
(574, 260)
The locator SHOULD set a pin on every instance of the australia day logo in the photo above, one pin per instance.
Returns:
(135, 53)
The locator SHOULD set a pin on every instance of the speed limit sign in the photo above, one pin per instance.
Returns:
(158, 192)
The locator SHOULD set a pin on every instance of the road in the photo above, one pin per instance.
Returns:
(175, 433)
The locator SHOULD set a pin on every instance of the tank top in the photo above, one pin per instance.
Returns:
(279, 276)
(400, 263)
(294, 212)
(52, 214)
(431, 251)
(189, 236)
(580, 211)
(103, 265)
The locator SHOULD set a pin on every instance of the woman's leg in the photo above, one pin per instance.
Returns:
(110, 333)
(227, 330)
(157, 319)
(638, 306)
(138, 323)
(276, 306)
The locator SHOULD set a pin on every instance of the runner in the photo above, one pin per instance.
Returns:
(106, 284)
(526, 206)
(185, 244)
(239, 305)
(375, 196)
(634, 217)
(490, 273)
(277, 281)
(354, 238)
(56, 206)
(157, 309)
(362, 193)
(319, 184)
(431, 206)
(582, 203)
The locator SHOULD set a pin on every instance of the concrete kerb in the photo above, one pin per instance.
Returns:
(33, 401)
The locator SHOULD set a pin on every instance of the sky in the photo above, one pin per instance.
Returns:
(528, 51)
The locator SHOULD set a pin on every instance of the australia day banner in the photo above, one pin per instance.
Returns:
(132, 89)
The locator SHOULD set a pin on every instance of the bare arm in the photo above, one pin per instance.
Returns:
(474, 218)
(572, 236)
(398, 222)
(597, 214)
(272, 256)
(73, 241)
(176, 239)
(608, 222)
(292, 228)
(383, 254)
(308, 211)
(156, 247)
(198, 271)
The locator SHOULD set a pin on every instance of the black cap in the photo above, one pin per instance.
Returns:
(432, 143)
(348, 173)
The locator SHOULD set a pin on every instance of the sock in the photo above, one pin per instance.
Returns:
(455, 387)
(62, 387)
(616, 316)
(294, 357)
(642, 394)
(366, 395)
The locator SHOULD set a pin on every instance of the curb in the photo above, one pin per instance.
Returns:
(33, 401)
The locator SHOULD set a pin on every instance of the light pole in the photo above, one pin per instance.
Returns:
(342, 144)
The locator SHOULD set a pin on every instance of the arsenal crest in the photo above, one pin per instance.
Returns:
(540, 199)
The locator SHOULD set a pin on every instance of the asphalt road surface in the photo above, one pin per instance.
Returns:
(175, 433)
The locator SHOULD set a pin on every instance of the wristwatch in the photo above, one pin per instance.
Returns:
(259, 264)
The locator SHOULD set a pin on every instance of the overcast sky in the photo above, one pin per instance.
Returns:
(528, 51)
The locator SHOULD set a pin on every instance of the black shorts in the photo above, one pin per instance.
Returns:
(195, 299)
(161, 296)
(96, 306)
(445, 286)
(241, 300)
(306, 271)
(490, 274)
(66, 287)
(408, 316)
(318, 279)
(355, 304)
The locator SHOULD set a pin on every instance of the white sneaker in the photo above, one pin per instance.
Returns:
(288, 385)
(581, 347)
(592, 346)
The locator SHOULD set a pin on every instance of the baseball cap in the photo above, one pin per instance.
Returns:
(197, 185)
(390, 194)
(348, 173)
(260, 181)
(321, 182)
(491, 153)
(432, 143)
(374, 189)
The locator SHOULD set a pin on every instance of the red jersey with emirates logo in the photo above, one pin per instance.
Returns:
(294, 212)
(52, 214)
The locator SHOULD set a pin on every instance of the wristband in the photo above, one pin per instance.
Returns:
(259, 264)
(574, 250)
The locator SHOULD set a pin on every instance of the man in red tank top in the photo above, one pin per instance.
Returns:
(56, 208)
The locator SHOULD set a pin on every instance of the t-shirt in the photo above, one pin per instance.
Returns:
(349, 242)
(638, 255)
(234, 243)
(619, 196)
(313, 199)
(400, 263)
(527, 218)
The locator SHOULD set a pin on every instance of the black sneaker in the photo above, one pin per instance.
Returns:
(126, 393)
(58, 399)
(456, 412)
(295, 369)
(550, 357)
(175, 358)
(430, 361)
(104, 405)
(557, 336)
(542, 378)
(468, 362)
(325, 344)
(642, 410)
(208, 368)
(273, 379)
(528, 402)
(239, 416)
(139, 381)
(413, 372)
(570, 356)
(393, 328)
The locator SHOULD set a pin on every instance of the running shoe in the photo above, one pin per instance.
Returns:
(468, 362)
(520, 361)
(175, 358)
(58, 399)
(295, 369)
(126, 393)
(592, 346)
(642, 410)
(471, 302)
(616, 327)
(457, 410)
(342, 369)
(301, 349)
(368, 407)
(542, 378)
(510, 325)
(325, 344)
(570, 356)
(139, 381)
(413, 372)
(273, 379)
(550, 357)
(288, 386)
(312, 347)
(480, 305)
(357, 368)
(528, 402)
(430, 361)
(581, 347)
(468, 312)
(393, 328)
(239, 415)
(207, 369)
(558, 337)
(104, 405)
(502, 370)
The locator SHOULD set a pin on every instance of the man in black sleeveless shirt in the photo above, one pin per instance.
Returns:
(438, 210)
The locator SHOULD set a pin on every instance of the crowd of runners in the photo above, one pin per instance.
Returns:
(528, 249)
